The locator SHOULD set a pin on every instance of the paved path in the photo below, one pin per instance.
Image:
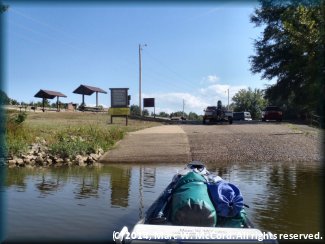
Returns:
(161, 144)
(243, 142)
(254, 142)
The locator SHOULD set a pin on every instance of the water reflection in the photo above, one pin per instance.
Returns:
(147, 182)
(222, 171)
(88, 187)
(149, 177)
(48, 185)
(283, 197)
(16, 179)
(120, 186)
(293, 194)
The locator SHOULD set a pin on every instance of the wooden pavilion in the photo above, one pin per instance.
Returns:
(88, 90)
(46, 94)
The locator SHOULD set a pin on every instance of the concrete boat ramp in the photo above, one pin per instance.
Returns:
(161, 144)
(239, 142)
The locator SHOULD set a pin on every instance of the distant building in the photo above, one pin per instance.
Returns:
(71, 106)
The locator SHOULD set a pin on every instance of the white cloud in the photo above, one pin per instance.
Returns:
(216, 91)
(208, 95)
(210, 79)
(166, 110)
(220, 90)
(173, 101)
(213, 78)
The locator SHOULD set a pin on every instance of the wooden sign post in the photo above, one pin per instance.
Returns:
(119, 104)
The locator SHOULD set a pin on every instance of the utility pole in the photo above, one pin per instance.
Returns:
(183, 107)
(228, 100)
(140, 77)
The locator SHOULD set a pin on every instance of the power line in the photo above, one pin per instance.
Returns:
(84, 46)
(167, 67)
(169, 77)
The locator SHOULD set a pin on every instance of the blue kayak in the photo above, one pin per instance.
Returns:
(196, 207)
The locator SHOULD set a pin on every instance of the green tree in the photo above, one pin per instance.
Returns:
(38, 104)
(232, 106)
(14, 102)
(47, 103)
(178, 114)
(4, 99)
(145, 112)
(250, 101)
(193, 116)
(134, 110)
(163, 114)
(291, 51)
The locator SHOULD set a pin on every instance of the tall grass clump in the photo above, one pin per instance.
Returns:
(83, 140)
(18, 137)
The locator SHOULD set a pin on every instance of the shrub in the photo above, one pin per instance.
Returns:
(64, 140)
(17, 136)
(20, 118)
(84, 140)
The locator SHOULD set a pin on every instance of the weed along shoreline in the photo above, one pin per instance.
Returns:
(54, 139)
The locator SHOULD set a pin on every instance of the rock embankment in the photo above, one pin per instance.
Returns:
(40, 156)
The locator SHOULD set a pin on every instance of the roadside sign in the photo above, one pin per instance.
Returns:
(119, 111)
(148, 102)
(119, 104)
(119, 97)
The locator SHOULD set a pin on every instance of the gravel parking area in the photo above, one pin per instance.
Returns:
(254, 142)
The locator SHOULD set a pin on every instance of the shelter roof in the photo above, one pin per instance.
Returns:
(88, 90)
(49, 94)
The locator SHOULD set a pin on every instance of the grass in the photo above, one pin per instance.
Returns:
(67, 133)
(293, 127)
(306, 129)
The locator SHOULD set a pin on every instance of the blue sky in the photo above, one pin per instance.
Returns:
(194, 52)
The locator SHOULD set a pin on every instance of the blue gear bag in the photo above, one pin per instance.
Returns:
(226, 198)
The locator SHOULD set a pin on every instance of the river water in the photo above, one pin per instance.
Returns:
(88, 204)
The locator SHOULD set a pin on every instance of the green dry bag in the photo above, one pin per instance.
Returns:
(191, 204)
(238, 221)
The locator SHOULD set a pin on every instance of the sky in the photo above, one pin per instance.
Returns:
(194, 52)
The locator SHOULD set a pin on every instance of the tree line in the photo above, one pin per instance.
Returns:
(135, 110)
(5, 100)
(291, 52)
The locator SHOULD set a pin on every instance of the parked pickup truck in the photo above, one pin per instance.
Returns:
(215, 114)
